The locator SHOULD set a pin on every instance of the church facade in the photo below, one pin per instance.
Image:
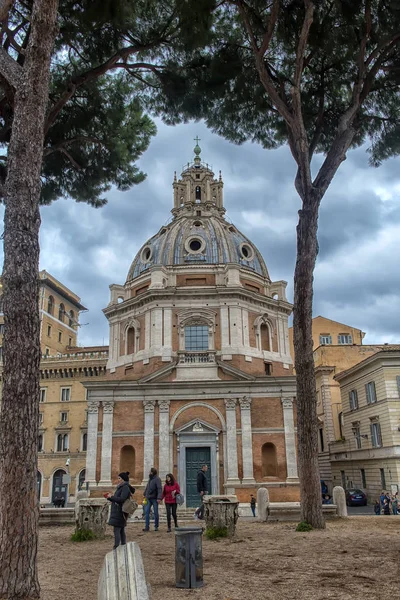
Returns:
(199, 369)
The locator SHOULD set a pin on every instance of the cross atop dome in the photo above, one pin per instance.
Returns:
(197, 150)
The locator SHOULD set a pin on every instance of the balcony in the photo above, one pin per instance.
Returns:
(187, 357)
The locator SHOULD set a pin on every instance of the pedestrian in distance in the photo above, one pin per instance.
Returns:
(170, 490)
(386, 507)
(395, 504)
(153, 495)
(202, 489)
(377, 507)
(118, 519)
(253, 505)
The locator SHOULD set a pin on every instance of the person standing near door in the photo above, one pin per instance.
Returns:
(153, 495)
(171, 489)
(202, 488)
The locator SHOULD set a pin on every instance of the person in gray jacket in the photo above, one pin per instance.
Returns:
(153, 495)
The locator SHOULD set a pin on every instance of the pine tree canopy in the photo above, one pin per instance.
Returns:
(104, 54)
(350, 43)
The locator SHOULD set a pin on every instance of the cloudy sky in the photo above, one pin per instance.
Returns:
(357, 279)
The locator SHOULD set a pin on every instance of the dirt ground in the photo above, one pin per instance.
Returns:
(354, 558)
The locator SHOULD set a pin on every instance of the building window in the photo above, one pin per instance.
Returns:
(321, 439)
(1, 353)
(50, 305)
(61, 312)
(325, 339)
(356, 430)
(1, 328)
(81, 480)
(40, 442)
(48, 330)
(343, 478)
(40, 418)
(383, 479)
(62, 442)
(345, 338)
(353, 398)
(341, 424)
(47, 352)
(71, 320)
(370, 391)
(196, 337)
(59, 336)
(65, 394)
(268, 368)
(376, 437)
(198, 193)
(69, 342)
(363, 479)
(84, 442)
(43, 392)
(64, 417)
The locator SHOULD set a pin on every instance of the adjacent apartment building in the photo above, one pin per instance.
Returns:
(368, 454)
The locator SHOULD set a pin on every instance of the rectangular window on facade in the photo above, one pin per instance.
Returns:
(376, 437)
(63, 417)
(69, 341)
(345, 338)
(325, 339)
(370, 391)
(59, 336)
(62, 442)
(321, 439)
(383, 479)
(47, 352)
(363, 479)
(343, 478)
(43, 392)
(1, 328)
(1, 352)
(40, 418)
(398, 384)
(84, 442)
(40, 442)
(341, 425)
(196, 337)
(357, 436)
(65, 394)
(48, 330)
(353, 398)
(268, 368)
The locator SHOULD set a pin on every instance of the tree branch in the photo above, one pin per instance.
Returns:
(9, 69)
(70, 158)
(273, 17)
(79, 80)
(62, 145)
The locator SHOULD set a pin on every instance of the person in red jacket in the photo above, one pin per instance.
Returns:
(171, 489)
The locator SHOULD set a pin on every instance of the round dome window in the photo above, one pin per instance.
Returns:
(195, 245)
(246, 252)
(146, 254)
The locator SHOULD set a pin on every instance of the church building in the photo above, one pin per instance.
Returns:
(199, 369)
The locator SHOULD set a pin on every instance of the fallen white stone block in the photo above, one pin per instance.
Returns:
(122, 575)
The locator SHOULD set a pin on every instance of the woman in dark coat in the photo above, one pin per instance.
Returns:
(117, 518)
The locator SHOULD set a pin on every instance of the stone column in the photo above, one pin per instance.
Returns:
(290, 440)
(231, 442)
(91, 453)
(106, 443)
(163, 438)
(247, 440)
(148, 450)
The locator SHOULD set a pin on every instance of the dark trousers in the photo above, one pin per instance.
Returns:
(253, 510)
(171, 508)
(119, 536)
(200, 510)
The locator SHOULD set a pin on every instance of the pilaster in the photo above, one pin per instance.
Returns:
(231, 442)
(290, 439)
(106, 443)
(91, 454)
(148, 450)
(163, 438)
(247, 440)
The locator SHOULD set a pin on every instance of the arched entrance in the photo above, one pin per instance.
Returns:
(60, 490)
(81, 479)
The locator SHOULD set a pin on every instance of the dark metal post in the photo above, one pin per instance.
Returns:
(188, 557)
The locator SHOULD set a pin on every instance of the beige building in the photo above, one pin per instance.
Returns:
(368, 455)
(62, 440)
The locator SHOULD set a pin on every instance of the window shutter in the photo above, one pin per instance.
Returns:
(378, 434)
(351, 400)
(367, 393)
(371, 428)
(398, 383)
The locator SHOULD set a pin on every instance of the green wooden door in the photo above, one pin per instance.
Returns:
(195, 459)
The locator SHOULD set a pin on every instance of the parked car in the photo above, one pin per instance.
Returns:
(355, 497)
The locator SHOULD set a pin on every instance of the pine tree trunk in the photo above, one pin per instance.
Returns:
(307, 250)
(19, 509)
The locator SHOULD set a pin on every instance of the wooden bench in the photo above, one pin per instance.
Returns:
(122, 575)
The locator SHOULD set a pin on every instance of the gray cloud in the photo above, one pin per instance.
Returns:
(356, 280)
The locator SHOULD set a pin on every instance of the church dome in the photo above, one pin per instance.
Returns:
(198, 233)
